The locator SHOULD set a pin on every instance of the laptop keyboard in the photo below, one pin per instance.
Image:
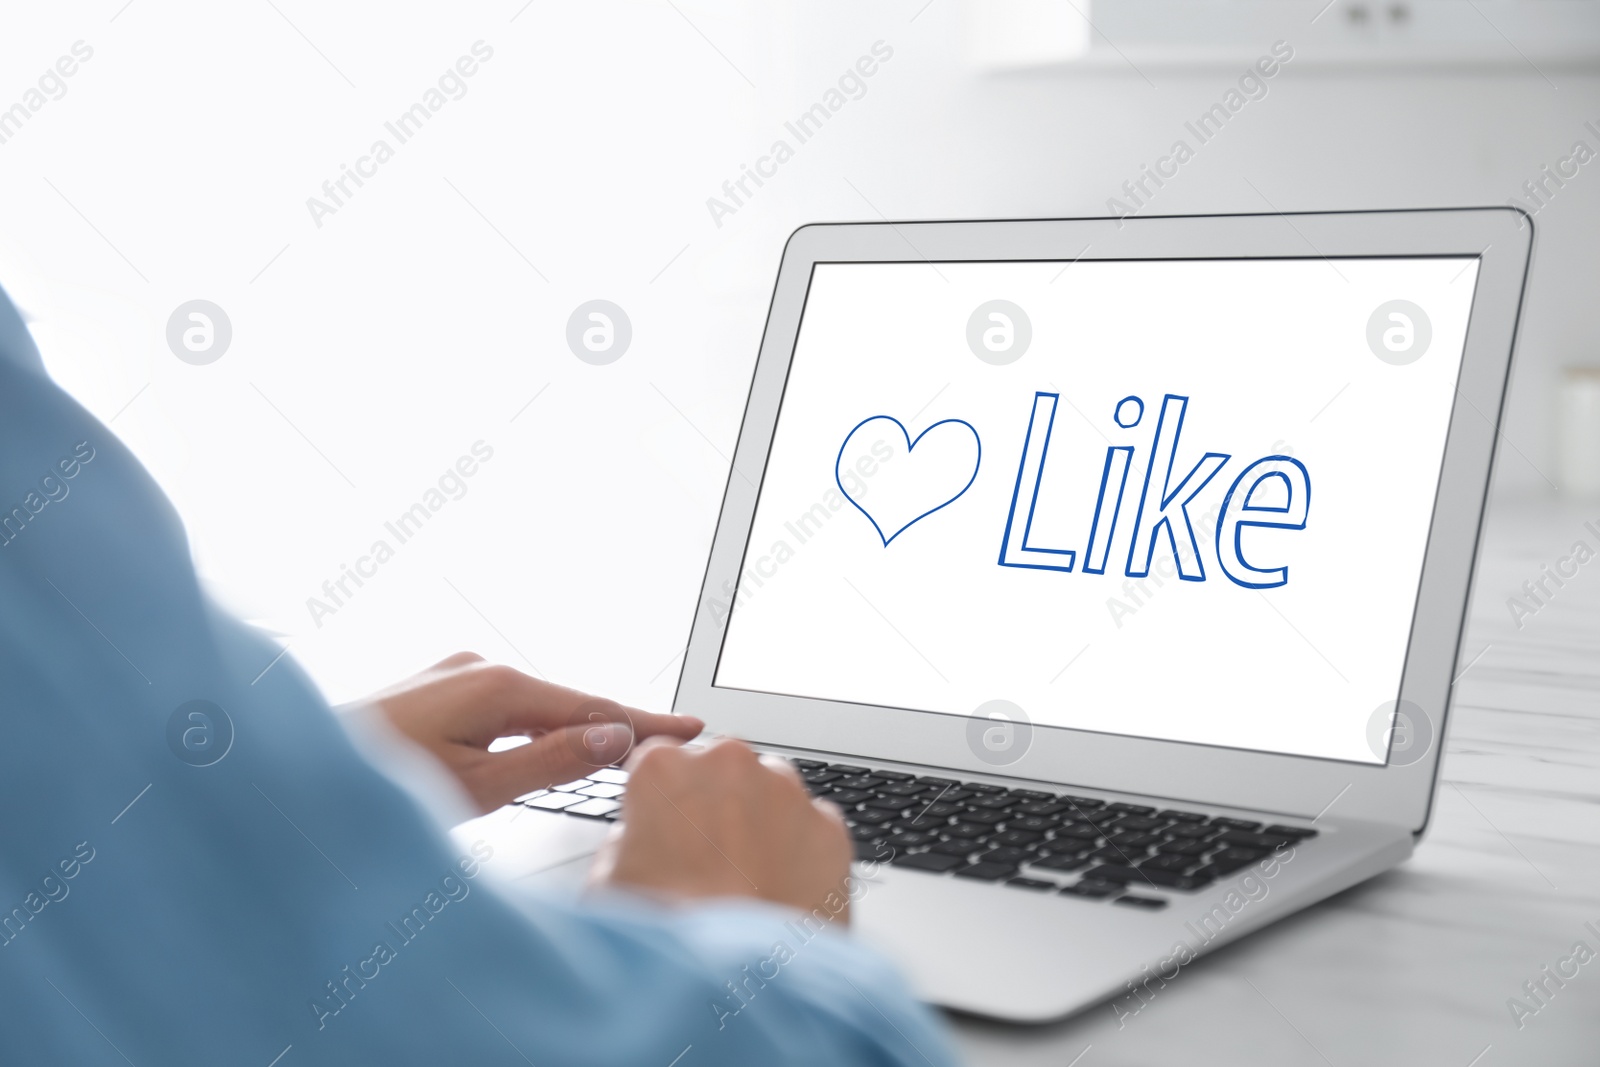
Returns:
(594, 797)
(1028, 839)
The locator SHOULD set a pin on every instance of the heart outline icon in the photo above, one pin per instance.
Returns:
(910, 447)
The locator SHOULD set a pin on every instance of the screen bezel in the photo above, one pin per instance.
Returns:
(1499, 238)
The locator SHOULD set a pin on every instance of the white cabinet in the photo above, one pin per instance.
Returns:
(1132, 34)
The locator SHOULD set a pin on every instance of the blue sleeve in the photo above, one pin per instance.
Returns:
(285, 903)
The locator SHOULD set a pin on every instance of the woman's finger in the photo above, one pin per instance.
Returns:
(513, 702)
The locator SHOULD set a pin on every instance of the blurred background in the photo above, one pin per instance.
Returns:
(378, 333)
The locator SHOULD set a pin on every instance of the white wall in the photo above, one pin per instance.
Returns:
(947, 143)
(379, 347)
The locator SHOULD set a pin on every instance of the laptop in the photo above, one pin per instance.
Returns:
(1109, 574)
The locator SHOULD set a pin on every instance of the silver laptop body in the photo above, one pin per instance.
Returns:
(1176, 659)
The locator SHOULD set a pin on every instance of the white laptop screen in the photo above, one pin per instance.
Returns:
(1174, 499)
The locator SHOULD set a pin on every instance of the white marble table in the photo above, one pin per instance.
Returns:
(1416, 966)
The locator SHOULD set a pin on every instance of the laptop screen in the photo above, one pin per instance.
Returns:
(1186, 500)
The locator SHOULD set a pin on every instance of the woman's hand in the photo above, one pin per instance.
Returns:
(722, 821)
(457, 707)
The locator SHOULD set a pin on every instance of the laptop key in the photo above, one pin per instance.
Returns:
(1139, 822)
(1011, 856)
(845, 798)
(604, 790)
(1085, 803)
(981, 787)
(1184, 848)
(1190, 832)
(861, 781)
(1032, 883)
(940, 783)
(1176, 864)
(901, 789)
(1235, 824)
(1231, 859)
(1133, 840)
(1018, 838)
(1181, 816)
(1290, 831)
(820, 777)
(808, 764)
(1133, 809)
(890, 803)
(1037, 823)
(967, 831)
(1092, 890)
(553, 801)
(1032, 794)
(874, 850)
(939, 809)
(993, 801)
(596, 808)
(1043, 807)
(984, 818)
(1078, 831)
(869, 818)
(1244, 839)
(1062, 862)
(987, 872)
(911, 839)
(1113, 854)
(928, 861)
(894, 776)
(1146, 903)
(955, 848)
(848, 768)
(1153, 876)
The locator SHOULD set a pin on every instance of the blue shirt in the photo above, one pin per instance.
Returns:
(180, 885)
